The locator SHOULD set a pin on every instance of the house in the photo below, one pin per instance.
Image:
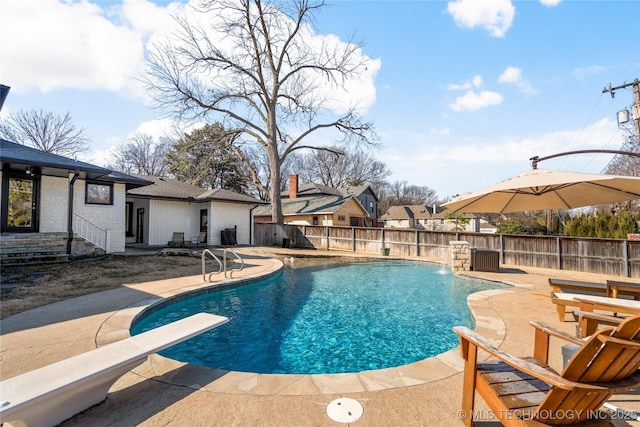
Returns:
(364, 193)
(166, 206)
(44, 194)
(421, 217)
(318, 205)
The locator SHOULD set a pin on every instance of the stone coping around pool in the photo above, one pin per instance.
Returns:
(159, 368)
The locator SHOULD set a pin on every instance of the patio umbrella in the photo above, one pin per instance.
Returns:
(540, 189)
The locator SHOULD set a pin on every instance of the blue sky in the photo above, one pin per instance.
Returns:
(462, 93)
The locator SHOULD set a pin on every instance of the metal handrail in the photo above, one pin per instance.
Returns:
(225, 262)
(204, 270)
(222, 264)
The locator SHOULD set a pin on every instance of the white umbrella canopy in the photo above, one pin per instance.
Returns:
(541, 189)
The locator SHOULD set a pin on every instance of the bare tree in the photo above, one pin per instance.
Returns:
(45, 131)
(334, 167)
(257, 165)
(402, 193)
(623, 164)
(142, 154)
(256, 68)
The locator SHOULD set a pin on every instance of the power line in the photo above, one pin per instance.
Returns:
(636, 99)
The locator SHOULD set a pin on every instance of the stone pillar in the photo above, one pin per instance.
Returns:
(460, 255)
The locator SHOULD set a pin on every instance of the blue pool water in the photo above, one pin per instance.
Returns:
(327, 319)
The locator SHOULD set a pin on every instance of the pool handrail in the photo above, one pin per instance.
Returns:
(222, 264)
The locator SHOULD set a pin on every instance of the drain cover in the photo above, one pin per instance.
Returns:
(344, 410)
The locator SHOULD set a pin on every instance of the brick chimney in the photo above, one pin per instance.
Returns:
(293, 186)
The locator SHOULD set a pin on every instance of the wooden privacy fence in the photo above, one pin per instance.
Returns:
(612, 257)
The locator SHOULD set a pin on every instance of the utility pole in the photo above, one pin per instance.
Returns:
(636, 99)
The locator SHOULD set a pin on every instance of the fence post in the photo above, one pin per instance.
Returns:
(502, 255)
(417, 243)
(353, 234)
(627, 261)
(382, 238)
(327, 235)
(559, 251)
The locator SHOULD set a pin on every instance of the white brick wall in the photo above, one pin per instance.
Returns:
(54, 196)
(107, 217)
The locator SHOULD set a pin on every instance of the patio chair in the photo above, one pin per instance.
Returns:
(177, 240)
(527, 392)
(200, 239)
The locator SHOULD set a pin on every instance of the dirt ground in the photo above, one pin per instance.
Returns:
(28, 287)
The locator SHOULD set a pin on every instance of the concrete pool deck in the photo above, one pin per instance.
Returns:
(163, 392)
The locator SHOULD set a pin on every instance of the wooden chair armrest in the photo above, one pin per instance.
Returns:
(551, 331)
(607, 318)
(626, 344)
(521, 365)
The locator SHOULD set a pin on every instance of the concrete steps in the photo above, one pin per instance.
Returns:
(42, 248)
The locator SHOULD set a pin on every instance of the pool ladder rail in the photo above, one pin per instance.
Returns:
(222, 264)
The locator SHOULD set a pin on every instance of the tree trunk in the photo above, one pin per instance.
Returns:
(274, 190)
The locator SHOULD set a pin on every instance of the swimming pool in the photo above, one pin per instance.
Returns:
(333, 318)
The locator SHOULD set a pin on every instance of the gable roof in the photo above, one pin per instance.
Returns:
(165, 188)
(19, 157)
(312, 189)
(310, 205)
(358, 190)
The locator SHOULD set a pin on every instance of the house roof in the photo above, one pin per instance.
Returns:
(310, 205)
(19, 157)
(17, 154)
(230, 196)
(408, 212)
(165, 188)
(416, 212)
(312, 189)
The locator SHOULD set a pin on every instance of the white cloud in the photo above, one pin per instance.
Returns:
(550, 2)
(67, 45)
(583, 72)
(519, 149)
(510, 75)
(81, 45)
(476, 81)
(513, 75)
(469, 164)
(473, 101)
(495, 16)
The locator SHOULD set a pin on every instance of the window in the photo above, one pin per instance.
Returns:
(341, 218)
(99, 194)
(315, 220)
(370, 206)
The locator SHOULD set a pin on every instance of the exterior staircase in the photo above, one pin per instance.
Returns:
(42, 248)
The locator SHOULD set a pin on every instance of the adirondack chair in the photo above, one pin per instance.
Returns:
(527, 392)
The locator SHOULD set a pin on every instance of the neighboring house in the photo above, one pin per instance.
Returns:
(156, 211)
(422, 217)
(44, 193)
(317, 205)
(363, 193)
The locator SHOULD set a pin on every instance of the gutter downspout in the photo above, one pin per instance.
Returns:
(251, 223)
(76, 173)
